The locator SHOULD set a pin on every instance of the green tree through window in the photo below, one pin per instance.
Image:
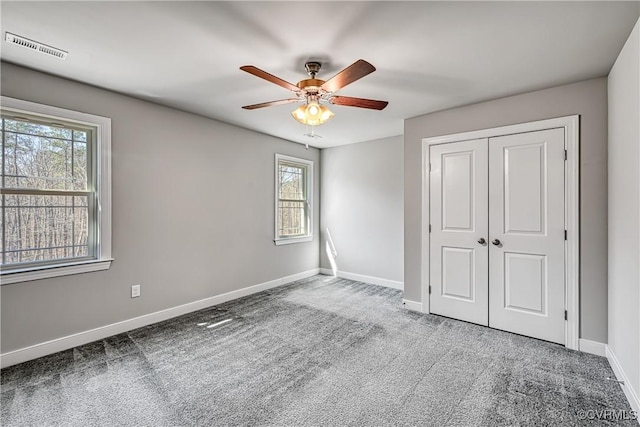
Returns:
(293, 202)
(46, 192)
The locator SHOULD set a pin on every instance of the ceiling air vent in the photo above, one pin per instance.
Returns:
(34, 45)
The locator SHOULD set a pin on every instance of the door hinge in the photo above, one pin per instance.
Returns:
(566, 315)
(429, 289)
(429, 167)
(565, 234)
(429, 228)
(565, 154)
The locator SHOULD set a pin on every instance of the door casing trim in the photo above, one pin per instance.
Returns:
(571, 126)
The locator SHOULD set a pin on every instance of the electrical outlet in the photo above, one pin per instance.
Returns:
(135, 291)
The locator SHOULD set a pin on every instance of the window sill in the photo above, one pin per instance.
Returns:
(291, 240)
(49, 271)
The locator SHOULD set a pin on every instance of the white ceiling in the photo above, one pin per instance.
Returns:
(429, 55)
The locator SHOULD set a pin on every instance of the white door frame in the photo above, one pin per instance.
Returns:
(571, 125)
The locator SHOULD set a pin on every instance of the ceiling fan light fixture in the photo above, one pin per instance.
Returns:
(313, 110)
(300, 113)
(325, 114)
(312, 114)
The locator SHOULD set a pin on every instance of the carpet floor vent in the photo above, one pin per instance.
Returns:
(35, 46)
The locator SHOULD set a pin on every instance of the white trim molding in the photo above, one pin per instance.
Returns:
(64, 343)
(629, 392)
(47, 272)
(412, 305)
(571, 125)
(366, 279)
(593, 347)
(572, 225)
(101, 161)
(291, 240)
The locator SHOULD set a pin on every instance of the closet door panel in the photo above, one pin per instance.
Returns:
(458, 263)
(526, 228)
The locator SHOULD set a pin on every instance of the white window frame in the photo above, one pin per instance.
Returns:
(309, 192)
(102, 149)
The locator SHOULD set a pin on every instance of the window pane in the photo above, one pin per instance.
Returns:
(8, 157)
(79, 166)
(80, 135)
(2, 184)
(81, 221)
(292, 219)
(19, 126)
(38, 162)
(292, 182)
(39, 228)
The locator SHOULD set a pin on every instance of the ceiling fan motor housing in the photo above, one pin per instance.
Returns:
(313, 67)
(312, 85)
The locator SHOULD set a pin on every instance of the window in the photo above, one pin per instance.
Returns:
(55, 213)
(293, 200)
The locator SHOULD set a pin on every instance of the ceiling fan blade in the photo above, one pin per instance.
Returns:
(269, 77)
(358, 102)
(353, 72)
(271, 103)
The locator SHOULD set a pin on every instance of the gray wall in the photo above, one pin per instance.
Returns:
(192, 215)
(362, 205)
(589, 99)
(624, 209)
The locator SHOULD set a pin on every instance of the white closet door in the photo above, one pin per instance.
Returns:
(526, 228)
(459, 219)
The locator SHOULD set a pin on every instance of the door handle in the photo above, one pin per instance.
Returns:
(496, 242)
(482, 241)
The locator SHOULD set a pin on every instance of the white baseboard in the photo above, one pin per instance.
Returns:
(64, 343)
(366, 279)
(412, 305)
(632, 395)
(592, 347)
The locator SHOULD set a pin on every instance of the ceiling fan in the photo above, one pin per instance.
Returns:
(312, 91)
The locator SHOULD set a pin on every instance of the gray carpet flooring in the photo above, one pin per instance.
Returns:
(318, 352)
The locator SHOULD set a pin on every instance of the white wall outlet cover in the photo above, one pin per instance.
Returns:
(135, 291)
